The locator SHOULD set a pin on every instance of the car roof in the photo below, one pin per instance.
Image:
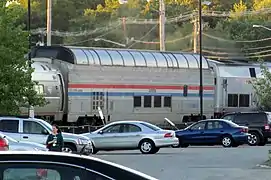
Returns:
(205, 120)
(128, 121)
(62, 157)
(247, 112)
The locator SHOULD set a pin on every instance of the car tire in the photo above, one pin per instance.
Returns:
(147, 146)
(94, 150)
(155, 150)
(68, 148)
(227, 141)
(254, 139)
(263, 142)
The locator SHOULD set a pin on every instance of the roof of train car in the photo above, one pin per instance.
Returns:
(42, 67)
(120, 57)
(232, 62)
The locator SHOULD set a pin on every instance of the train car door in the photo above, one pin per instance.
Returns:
(99, 99)
(60, 92)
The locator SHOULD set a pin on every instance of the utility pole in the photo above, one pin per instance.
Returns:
(162, 19)
(29, 31)
(195, 34)
(200, 61)
(49, 22)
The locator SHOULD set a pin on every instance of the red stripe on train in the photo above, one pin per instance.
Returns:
(134, 86)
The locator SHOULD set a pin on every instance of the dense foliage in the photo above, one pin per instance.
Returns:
(16, 86)
(101, 22)
(224, 37)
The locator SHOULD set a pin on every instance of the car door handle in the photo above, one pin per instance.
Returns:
(25, 137)
(221, 131)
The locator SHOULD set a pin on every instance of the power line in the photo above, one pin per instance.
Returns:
(181, 18)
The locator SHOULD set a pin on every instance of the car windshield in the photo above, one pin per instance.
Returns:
(151, 126)
(48, 126)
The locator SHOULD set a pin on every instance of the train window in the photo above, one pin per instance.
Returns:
(161, 60)
(104, 57)
(244, 100)
(81, 57)
(139, 59)
(96, 58)
(232, 100)
(204, 61)
(147, 101)
(151, 62)
(174, 61)
(192, 61)
(90, 57)
(137, 101)
(167, 101)
(127, 58)
(185, 90)
(181, 60)
(169, 60)
(39, 89)
(157, 101)
(116, 58)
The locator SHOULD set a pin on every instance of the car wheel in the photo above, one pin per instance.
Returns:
(68, 148)
(147, 146)
(253, 139)
(226, 141)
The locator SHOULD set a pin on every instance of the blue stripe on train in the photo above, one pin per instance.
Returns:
(207, 95)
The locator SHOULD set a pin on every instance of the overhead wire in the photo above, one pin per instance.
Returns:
(144, 36)
(129, 20)
(83, 41)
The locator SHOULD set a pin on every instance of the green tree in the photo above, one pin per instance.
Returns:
(262, 89)
(16, 86)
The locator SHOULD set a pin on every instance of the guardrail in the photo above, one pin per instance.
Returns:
(90, 128)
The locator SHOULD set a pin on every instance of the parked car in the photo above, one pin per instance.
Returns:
(258, 124)
(23, 146)
(125, 135)
(4, 144)
(26, 165)
(213, 132)
(37, 130)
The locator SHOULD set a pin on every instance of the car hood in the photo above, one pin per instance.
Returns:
(73, 136)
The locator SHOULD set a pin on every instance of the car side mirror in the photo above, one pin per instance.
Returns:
(45, 132)
(100, 132)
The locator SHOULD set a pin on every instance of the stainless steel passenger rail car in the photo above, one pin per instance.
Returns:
(129, 84)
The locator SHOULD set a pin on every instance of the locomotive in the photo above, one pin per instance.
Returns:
(137, 84)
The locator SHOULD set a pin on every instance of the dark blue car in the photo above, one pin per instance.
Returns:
(213, 132)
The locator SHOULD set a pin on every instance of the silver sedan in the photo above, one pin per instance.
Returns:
(128, 135)
(23, 146)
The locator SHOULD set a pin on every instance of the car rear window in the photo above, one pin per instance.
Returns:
(251, 118)
(232, 124)
(153, 127)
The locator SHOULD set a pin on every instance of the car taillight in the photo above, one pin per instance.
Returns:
(267, 127)
(168, 135)
(3, 144)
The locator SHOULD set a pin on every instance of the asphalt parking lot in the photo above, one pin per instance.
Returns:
(197, 163)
